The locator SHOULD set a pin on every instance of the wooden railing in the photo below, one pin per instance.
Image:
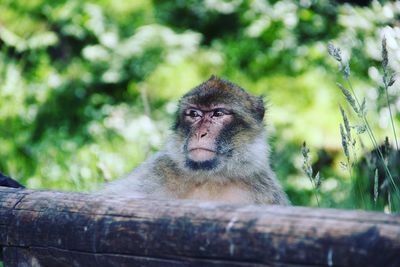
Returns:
(49, 228)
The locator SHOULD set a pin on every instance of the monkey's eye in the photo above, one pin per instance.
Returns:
(218, 113)
(193, 113)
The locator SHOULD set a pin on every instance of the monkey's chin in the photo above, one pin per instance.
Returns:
(206, 165)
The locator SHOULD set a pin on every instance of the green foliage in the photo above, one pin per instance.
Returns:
(88, 89)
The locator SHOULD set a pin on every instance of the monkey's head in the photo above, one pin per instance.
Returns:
(219, 125)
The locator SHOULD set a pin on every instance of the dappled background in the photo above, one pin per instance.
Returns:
(88, 89)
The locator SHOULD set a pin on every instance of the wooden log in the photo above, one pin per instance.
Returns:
(48, 228)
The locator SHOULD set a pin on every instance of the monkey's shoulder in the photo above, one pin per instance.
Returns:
(143, 181)
(158, 176)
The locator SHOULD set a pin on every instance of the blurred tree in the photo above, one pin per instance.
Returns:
(88, 89)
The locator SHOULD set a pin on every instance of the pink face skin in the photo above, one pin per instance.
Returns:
(207, 123)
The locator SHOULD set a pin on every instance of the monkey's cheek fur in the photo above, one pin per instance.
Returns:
(201, 154)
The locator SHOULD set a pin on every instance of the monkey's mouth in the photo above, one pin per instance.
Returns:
(201, 154)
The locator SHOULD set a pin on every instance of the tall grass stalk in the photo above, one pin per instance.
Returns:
(359, 107)
(388, 80)
(349, 145)
(376, 191)
(307, 168)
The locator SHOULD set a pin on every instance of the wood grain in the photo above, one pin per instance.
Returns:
(49, 228)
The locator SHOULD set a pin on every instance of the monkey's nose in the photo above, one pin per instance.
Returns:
(200, 135)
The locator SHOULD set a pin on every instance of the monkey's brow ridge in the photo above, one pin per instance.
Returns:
(224, 110)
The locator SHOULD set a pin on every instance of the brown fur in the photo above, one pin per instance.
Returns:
(241, 173)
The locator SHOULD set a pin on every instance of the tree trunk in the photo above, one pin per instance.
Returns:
(49, 228)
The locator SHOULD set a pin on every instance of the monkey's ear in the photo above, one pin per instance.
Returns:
(259, 108)
(213, 77)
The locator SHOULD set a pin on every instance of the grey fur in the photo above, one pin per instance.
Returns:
(164, 176)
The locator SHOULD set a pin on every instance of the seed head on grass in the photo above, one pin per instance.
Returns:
(392, 80)
(317, 180)
(387, 148)
(344, 143)
(337, 55)
(360, 129)
(335, 52)
(385, 59)
(376, 187)
(346, 123)
(306, 160)
(307, 168)
(385, 62)
(346, 70)
(388, 79)
(363, 108)
(349, 97)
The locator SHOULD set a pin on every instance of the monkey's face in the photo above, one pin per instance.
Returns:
(216, 123)
(204, 126)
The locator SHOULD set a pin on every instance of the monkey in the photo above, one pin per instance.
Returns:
(218, 151)
(9, 182)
